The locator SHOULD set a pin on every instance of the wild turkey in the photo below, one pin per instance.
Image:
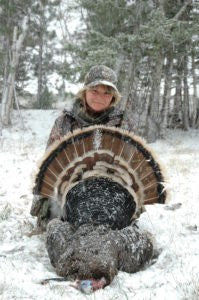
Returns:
(100, 175)
(100, 178)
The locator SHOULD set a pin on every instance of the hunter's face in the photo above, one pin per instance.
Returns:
(99, 97)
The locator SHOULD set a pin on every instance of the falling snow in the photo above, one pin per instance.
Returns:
(24, 262)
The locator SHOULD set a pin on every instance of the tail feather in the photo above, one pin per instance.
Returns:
(100, 151)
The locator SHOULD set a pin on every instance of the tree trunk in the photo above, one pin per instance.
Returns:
(119, 64)
(176, 114)
(6, 63)
(5, 75)
(40, 75)
(8, 91)
(186, 95)
(152, 128)
(40, 60)
(195, 100)
(164, 114)
(127, 84)
(9, 87)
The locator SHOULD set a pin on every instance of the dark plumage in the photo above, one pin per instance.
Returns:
(87, 202)
(96, 251)
(99, 179)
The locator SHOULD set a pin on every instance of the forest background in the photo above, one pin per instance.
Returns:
(153, 46)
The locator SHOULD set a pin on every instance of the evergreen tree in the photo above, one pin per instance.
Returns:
(43, 42)
(149, 44)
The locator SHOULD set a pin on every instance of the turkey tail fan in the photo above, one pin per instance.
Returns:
(99, 173)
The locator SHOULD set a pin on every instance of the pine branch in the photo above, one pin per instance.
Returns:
(182, 10)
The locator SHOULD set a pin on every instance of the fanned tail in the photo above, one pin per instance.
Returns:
(112, 154)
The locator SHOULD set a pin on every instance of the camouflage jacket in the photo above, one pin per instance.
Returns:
(70, 120)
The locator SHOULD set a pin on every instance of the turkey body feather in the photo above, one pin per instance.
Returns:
(79, 253)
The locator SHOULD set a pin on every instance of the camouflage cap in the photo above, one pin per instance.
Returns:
(101, 74)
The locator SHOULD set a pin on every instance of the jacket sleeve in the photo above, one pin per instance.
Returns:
(61, 127)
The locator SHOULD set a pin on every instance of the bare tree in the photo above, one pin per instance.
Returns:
(9, 82)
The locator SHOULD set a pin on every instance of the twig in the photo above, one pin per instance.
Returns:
(182, 10)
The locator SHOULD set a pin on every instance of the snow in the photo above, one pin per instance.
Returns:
(24, 262)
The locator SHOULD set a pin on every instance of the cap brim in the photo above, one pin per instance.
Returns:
(104, 82)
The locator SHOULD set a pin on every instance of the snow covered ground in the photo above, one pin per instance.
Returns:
(24, 262)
